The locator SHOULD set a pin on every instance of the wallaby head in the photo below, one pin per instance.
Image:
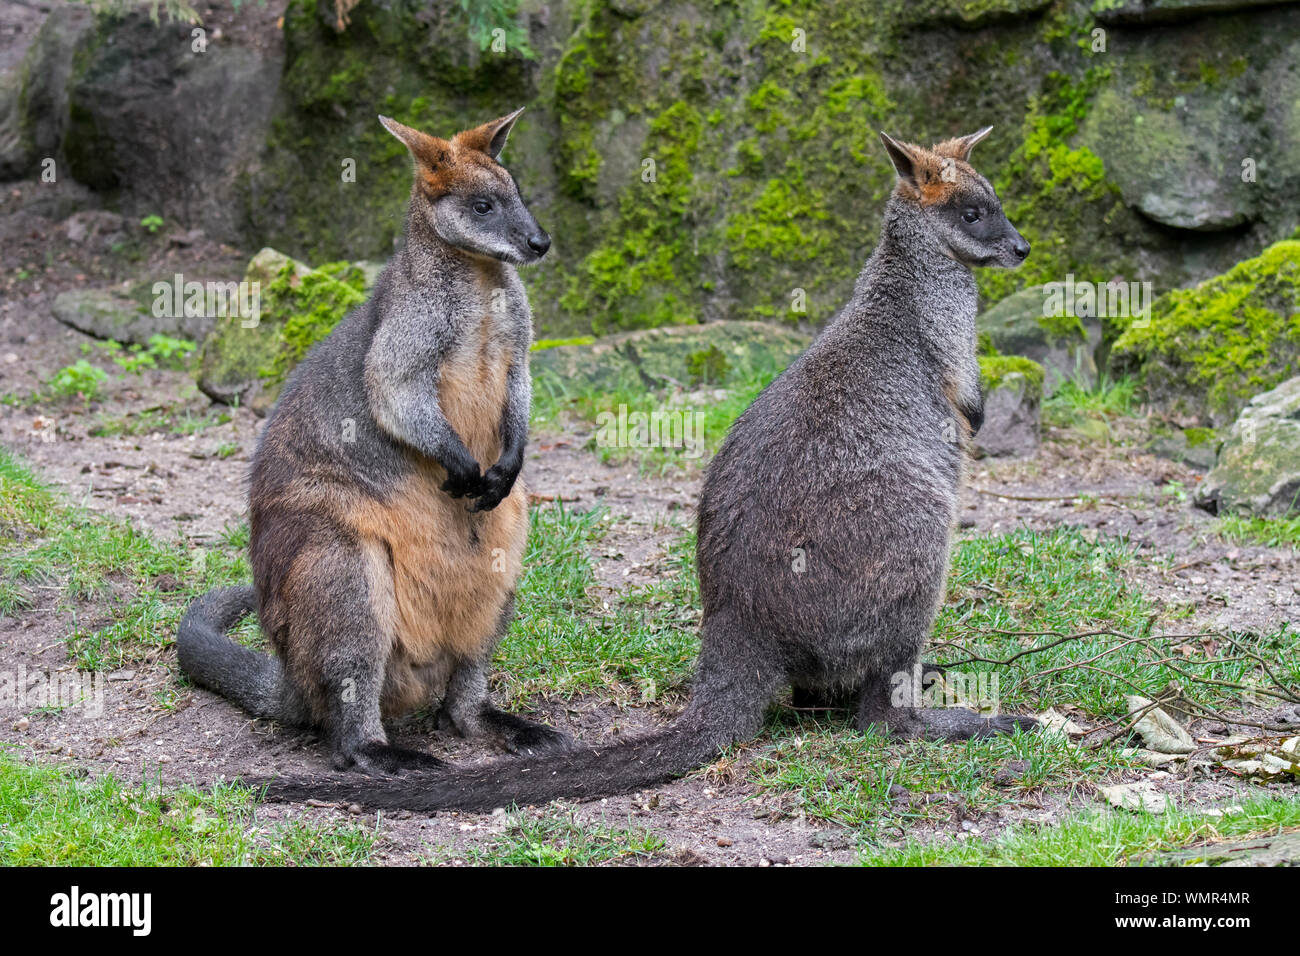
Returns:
(959, 206)
(467, 197)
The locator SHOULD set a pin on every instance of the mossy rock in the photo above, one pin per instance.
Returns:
(299, 307)
(1206, 350)
(671, 356)
(1195, 447)
(1170, 166)
(1065, 347)
(105, 314)
(1258, 470)
(1013, 399)
(33, 95)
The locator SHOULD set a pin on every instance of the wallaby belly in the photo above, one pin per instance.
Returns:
(449, 572)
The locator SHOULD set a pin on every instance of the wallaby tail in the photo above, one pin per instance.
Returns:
(210, 658)
(584, 773)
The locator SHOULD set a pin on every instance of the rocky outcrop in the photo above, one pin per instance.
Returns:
(697, 164)
(1204, 351)
(34, 96)
(168, 124)
(1258, 469)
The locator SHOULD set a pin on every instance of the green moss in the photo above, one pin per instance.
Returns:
(542, 344)
(1210, 348)
(306, 308)
(708, 366)
(996, 369)
(1053, 192)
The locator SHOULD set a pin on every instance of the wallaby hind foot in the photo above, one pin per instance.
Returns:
(378, 757)
(467, 711)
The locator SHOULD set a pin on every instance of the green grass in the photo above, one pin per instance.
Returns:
(160, 418)
(554, 400)
(1072, 405)
(1064, 582)
(1272, 532)
(560, 841)
(50, 817)
(1097, 838)
(1060, 582)
(563, 640)
(839, 775)
(139, 586)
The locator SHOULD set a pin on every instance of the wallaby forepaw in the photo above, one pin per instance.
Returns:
(495, 487)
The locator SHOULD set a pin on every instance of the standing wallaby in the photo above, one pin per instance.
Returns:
(386, 523)
(826, 517)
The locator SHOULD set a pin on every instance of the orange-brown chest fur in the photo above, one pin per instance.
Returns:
(472, 391)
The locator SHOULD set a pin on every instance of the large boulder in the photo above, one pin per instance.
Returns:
(671, 356)
(1203, 352)
(170, 124)
(1027, 324)
(1176, 167)
(248, 361)
(33, 95)
(1013, 397)
(1258, 470)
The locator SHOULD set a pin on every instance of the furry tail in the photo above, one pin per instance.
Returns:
(256, 682)
(584, 773)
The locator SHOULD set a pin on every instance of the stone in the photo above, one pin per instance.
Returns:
(1205, 351)
(1195, 447)
(1013, 394)
(1157, 11)
(1064, 347)
(173, 133)
(1175, 166)
(1258, 468)
(299, 306)
(34, 98)
(671, 356)
(105, 314)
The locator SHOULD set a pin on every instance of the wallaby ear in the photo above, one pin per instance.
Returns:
(428, 150)
(960, 147)
(491, 137)
(906, 162)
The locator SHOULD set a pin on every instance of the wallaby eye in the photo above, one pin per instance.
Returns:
(482, 207)
(971, 215)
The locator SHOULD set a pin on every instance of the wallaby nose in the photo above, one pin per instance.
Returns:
(1021, 248)
(539, 243)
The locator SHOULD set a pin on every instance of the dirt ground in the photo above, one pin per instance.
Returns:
(187, 486)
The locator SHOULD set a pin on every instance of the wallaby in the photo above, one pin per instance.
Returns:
(825, 519)
(387, 524)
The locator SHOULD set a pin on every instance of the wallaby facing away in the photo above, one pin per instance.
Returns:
(825, 520)
(387, 525)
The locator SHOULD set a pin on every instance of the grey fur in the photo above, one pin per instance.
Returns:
(824, 530)
(358, 417)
